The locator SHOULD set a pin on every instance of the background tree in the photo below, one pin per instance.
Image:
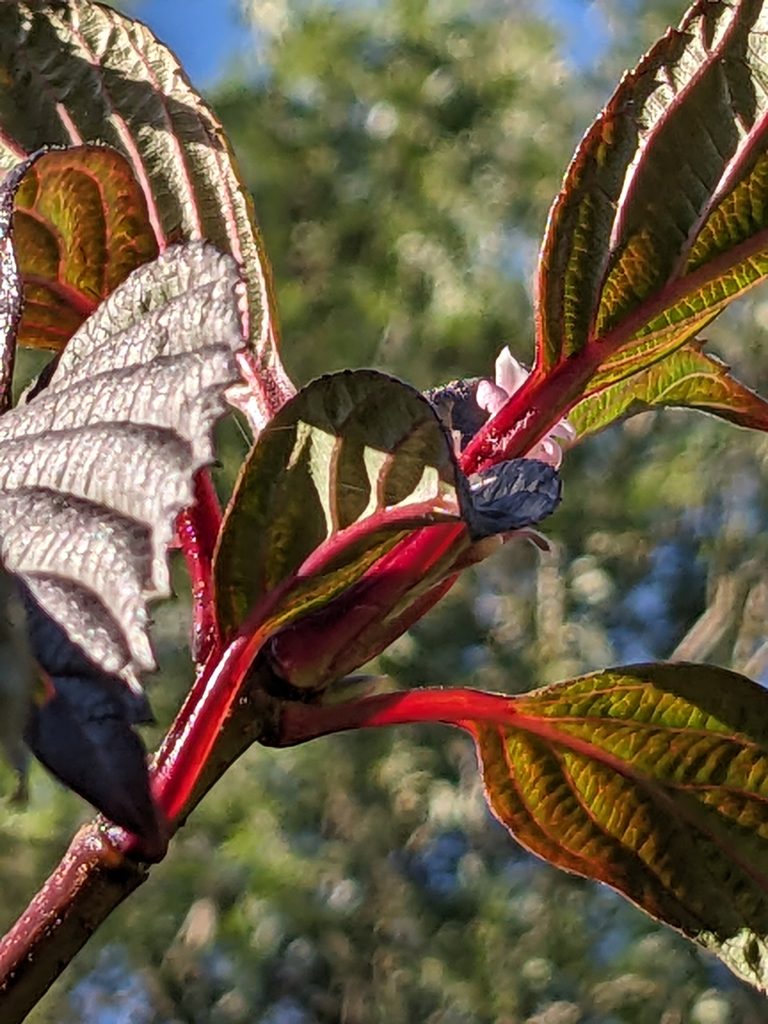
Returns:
(402, 161)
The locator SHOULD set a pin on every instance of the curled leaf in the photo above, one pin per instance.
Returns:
(339, 475)
(510, 496)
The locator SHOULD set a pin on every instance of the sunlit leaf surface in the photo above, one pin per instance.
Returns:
(93, 472)
(654, 779)
(688, 377)
(81, 226)
(340, 473)
(661, 220)
(95, 468)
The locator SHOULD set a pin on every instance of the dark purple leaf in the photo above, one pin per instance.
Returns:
(510, 496)
(456, 405)
(82, 733)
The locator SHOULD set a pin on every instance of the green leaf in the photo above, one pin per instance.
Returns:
(653, 779)
(349, 465)
(661, 220)
(80, 72)
(80, 227)
(688, 378)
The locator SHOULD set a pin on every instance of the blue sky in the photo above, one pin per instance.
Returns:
(206, 34)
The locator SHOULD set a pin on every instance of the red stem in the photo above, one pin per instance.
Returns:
(54, 926)
(188, 743)
(459, 707)
(197, 528)
(182, 757)
(527, 417)
(548, 394)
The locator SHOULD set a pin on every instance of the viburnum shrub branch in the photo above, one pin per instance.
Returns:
(217, 705)
(457, 706)
(197, 528)
(200, 721)
(318, 561)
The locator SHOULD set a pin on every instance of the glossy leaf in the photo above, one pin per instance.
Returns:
(654, 779)
(94, 470)
(661, 220)
(344, 469)
(81, 72)
(81, 226)
(689, 378)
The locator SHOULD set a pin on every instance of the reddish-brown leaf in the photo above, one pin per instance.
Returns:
(81, 226)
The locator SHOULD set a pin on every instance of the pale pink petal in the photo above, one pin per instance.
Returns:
(564, 431)
(490, 396)
(548, 451)
(510, 375)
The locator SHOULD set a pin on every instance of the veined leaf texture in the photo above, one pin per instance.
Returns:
(94, 469)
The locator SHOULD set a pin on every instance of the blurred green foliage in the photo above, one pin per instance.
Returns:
(402, 156)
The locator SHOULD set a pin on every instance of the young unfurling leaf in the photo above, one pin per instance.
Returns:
(343, 471)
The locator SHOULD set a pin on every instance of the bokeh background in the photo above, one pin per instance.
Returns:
(402, 155)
